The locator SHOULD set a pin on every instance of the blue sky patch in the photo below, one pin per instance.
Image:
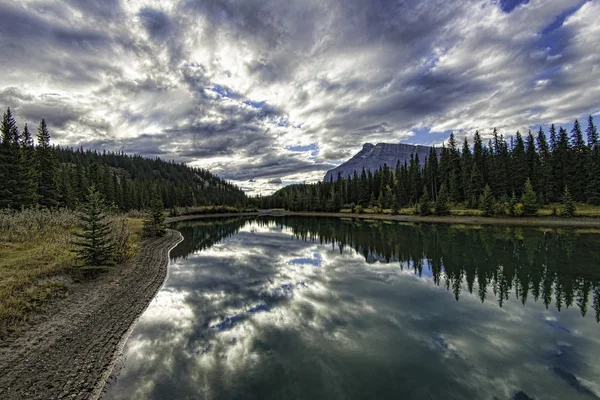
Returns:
(509, 5)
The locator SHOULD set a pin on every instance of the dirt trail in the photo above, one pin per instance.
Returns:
(68, 351)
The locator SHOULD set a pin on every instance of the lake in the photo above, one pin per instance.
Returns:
(325, 308)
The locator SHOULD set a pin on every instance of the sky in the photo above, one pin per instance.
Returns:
(265, 93)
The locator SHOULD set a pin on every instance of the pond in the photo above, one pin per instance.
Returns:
(325, 308)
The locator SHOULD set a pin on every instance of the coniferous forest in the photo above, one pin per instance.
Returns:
(511, 176)
(52, 176)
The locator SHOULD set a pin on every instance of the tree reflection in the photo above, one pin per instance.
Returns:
(549, 265)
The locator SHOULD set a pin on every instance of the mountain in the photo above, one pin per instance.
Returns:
(372, 157)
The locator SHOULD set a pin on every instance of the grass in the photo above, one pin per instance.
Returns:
(37, 262)
(459, 210)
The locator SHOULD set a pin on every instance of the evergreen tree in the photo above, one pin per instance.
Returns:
(545, 166)
(568, 205)
(518, 165)
(95, 247)
(154, 223)
(10, 163)
(592, 134)
(578, 159)
(487, 202)
(529, 199)
(424, 205)
(47, 166)
(29, 183)
(441, 204)
(500, 161)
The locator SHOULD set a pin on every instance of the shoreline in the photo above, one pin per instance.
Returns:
(71, 349)
(74, 348)
(549, 222)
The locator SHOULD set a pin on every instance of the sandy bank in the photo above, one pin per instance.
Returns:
(67, 351)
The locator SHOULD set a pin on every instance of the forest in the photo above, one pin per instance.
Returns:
(510, 176)
(41, 174)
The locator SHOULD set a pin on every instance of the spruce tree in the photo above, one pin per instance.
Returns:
(442, 206)
(154, 223)
(487, 202)
(545, 166)
(29, 183)
(592, 134)
(578, 163)
(424, 205)
(47, 168)
(518, 164)
(567, 204)
(10, 163)
(95, 247)
(529, 199)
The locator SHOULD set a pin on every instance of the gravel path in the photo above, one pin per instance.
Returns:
(69, 352)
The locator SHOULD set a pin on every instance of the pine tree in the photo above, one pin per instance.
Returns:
(592, 134)
(568, 205)
(441, 204)
(47, 167)
(29, 183)
(154, 223)
(518, 164)
(95, 247)
(545, 167)
(10, 163)
(578, 159)
(500, 160)
(424, 205)
(487, 202)
(529, 199)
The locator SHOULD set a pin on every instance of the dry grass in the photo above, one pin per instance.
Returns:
(37, 262)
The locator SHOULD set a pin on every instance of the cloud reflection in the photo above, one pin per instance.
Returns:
(239, 318)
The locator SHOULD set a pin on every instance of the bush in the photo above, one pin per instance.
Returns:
(502, 208)
(359, 209)
(518, 210)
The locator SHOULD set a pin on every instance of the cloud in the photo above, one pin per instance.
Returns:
(232, 86)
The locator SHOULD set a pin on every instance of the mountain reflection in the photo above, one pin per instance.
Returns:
(549, 265)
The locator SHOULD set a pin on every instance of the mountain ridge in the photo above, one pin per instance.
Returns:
(372, 157)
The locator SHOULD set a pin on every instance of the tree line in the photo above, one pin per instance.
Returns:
(502, 176)
(40, 174)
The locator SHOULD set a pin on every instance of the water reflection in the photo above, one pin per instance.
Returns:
(324, 308)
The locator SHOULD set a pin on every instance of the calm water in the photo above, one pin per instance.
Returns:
(307, 308)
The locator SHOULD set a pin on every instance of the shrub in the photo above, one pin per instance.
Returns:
(518, 210)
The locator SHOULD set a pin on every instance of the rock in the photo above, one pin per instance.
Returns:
(372, 157)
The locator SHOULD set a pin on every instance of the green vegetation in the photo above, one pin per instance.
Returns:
(533, 171)
(52, 176)
(95, 247)
(154, 223)
(568, 206)
(38, 260)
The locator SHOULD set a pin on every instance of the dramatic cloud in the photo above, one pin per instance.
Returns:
(270, 91)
